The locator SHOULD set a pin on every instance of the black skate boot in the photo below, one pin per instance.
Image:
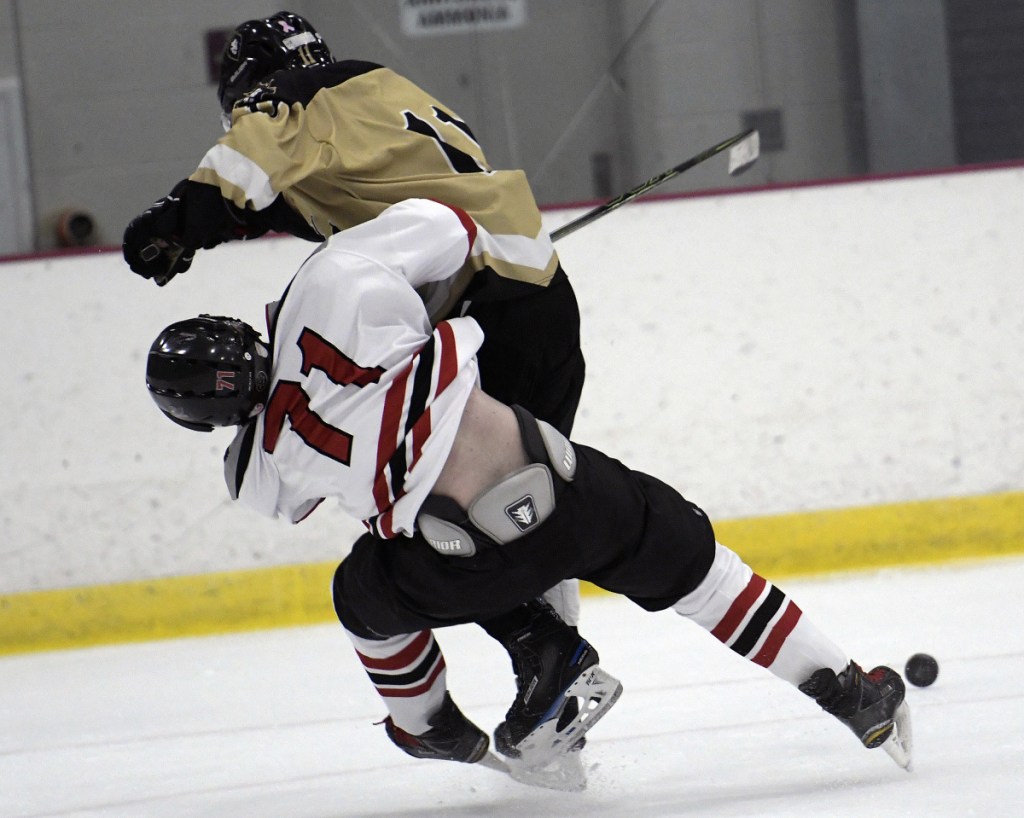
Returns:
(561, 691)
(451, 737)
(870, 704)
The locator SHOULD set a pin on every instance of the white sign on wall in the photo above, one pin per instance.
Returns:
(423, 18)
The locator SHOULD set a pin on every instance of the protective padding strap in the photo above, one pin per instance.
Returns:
(504, 512)
(513, 506)
(545, 444)
(560, 451)
(445, 537)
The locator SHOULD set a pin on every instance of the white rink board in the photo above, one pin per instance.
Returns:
(764, 352)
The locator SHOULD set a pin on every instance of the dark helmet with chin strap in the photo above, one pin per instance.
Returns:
(258, 48)
(209, 371)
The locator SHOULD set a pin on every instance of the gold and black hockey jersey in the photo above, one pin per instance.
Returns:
(340, 143)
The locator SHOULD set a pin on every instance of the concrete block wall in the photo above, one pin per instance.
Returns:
(698, 66)
(119, 106)
(118, 103)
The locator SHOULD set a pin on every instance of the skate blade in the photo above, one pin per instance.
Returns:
(596, 691)
(564, 773)
(900, 744)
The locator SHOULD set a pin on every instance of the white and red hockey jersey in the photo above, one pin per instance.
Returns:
(365, 397)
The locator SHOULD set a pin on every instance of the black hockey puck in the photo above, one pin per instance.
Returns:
(922, 669)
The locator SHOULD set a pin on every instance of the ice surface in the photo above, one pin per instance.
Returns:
(281, 723)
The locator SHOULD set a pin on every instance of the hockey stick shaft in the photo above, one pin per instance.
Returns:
(614, 204)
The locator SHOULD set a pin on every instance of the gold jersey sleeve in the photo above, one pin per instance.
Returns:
(340, 146)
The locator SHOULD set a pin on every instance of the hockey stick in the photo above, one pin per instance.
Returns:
(744, 148)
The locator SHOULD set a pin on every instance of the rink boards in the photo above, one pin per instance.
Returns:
(831, 372)
(855, 539)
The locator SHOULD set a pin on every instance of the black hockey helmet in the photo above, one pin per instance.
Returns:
(258, 48)
(209, 371)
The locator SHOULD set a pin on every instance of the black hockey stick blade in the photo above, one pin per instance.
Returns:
(744, 148)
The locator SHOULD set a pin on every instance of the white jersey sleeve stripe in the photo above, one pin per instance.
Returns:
(522, 250)
(239, 170)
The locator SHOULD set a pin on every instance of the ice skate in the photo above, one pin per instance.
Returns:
(451, 737)
(561, 694)
(563, 772)
(871, 704)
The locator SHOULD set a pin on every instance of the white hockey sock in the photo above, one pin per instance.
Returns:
(565, 599)
(409, 673)
(758, 621)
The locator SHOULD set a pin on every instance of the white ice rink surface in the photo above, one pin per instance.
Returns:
(281, 723)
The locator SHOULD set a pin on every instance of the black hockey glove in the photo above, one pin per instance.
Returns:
(152, 245)
(161, 242)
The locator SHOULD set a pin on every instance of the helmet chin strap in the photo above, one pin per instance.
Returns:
(195, 427)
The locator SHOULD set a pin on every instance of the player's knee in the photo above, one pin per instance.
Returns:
(703, 544)
(346, 613)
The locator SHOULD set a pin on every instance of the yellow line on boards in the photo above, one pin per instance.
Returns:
(164, 608)
(853, 539)
(818, 542)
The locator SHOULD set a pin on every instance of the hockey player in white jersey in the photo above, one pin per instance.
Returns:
(472, 506)
(314, 145)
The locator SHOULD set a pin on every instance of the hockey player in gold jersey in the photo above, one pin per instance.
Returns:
(315, 145)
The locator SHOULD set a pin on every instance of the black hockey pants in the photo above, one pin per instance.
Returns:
(531, 352)
(622, 530)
